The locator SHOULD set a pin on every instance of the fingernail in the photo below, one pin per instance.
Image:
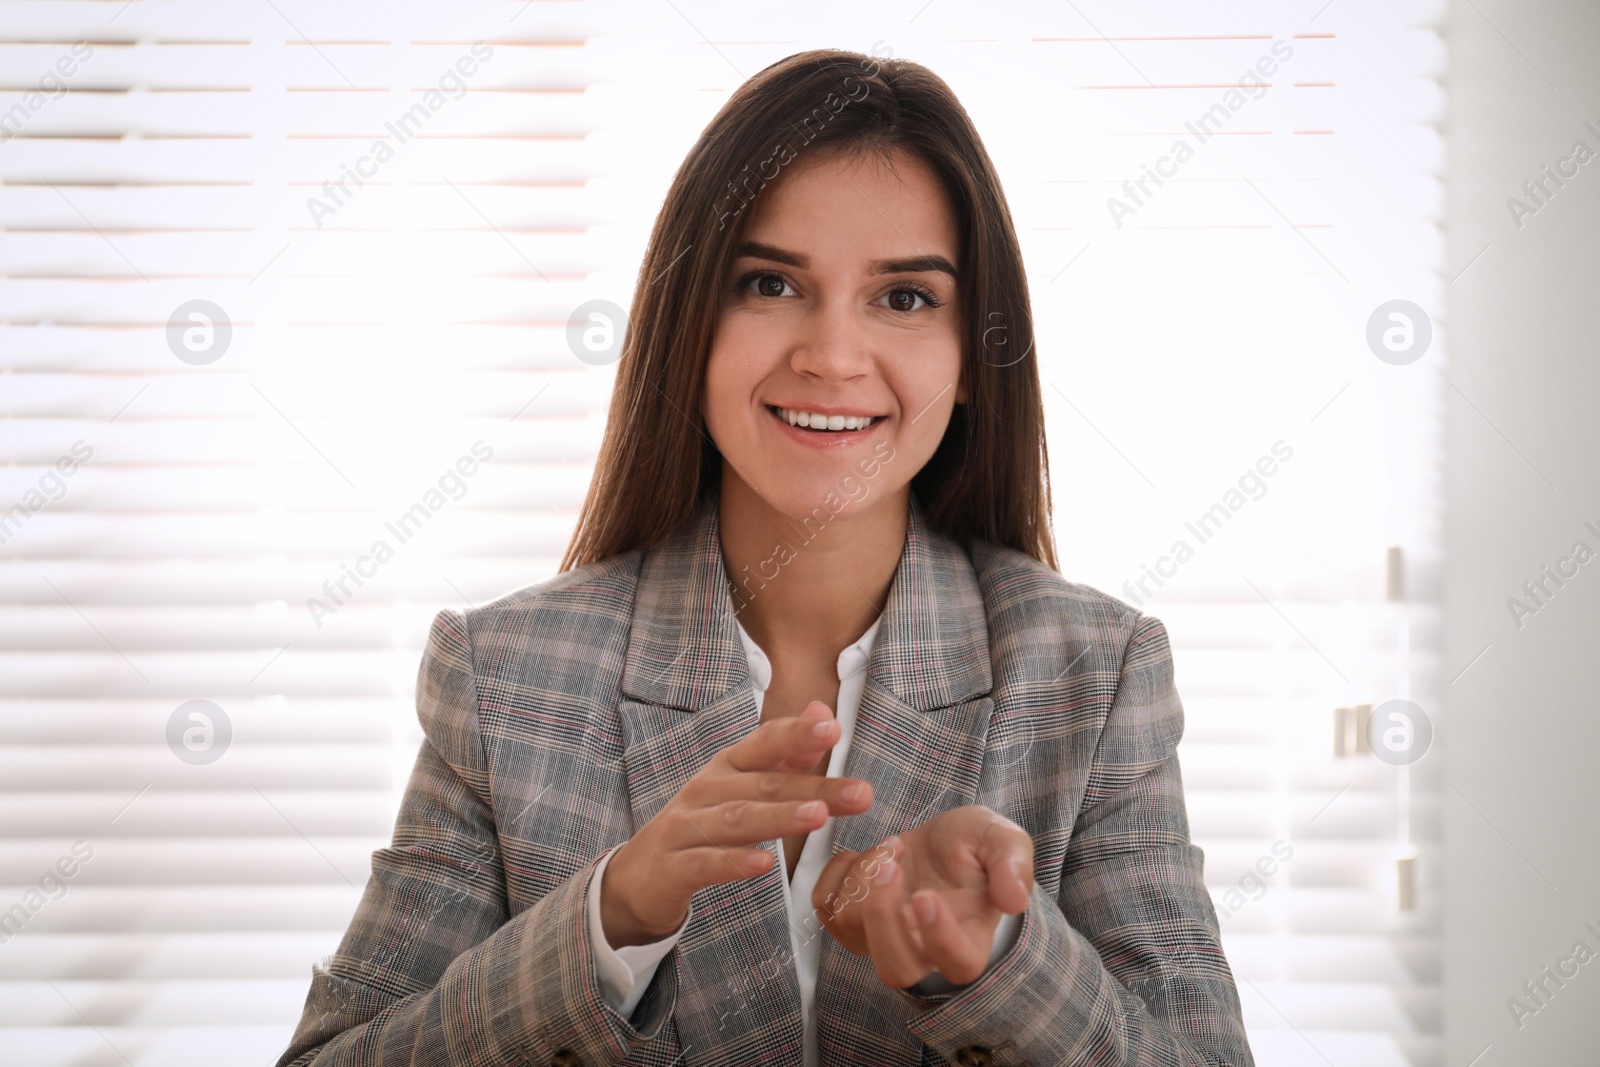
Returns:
(884, 872)
(855, 793)
(926, 911)
(822, 727)
(811, 809)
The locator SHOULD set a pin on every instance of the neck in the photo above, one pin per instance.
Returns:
(805, 587)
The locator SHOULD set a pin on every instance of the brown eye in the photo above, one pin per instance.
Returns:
(766, 284)
(905, 299)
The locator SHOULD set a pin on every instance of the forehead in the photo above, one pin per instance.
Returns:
(846, 208)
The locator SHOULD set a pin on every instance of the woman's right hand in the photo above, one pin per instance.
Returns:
(749, 792)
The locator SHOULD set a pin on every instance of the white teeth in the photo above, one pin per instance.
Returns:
(826, 422)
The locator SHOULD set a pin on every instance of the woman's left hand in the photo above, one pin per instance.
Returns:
(929, 899)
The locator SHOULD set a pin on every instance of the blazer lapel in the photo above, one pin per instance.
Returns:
(919, 739)
(686, 693)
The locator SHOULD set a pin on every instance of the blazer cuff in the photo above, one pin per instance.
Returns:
(1042, 1002)
(624, 972)
(561, 1005)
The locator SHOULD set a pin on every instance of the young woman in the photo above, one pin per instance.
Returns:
(809, 756)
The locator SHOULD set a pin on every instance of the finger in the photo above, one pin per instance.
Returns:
(843, 796)
(805, 761)
(746, 822)
(837, 906)
(944, 942)
(1017, 887)
(828, 895)
(898, 961)
(789, 741)
(710, 865)
(843, 884)
(1006, 852)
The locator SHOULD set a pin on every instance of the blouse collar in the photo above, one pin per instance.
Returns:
(853, 659)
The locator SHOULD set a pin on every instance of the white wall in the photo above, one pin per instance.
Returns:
(1523, 799)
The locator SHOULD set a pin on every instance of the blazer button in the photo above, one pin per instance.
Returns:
(974, 1056)
(566, 1058)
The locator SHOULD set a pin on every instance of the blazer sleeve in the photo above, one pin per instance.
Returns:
(1125, 966)
(433, 970)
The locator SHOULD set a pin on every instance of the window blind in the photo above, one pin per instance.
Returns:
(283, 330)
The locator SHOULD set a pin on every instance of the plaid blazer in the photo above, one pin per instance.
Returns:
(562, 716)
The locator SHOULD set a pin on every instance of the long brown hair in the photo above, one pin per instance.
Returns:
(989, 478)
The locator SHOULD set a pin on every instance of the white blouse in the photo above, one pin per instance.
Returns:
(625, 973)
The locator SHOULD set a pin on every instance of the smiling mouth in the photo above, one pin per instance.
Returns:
(816, 423)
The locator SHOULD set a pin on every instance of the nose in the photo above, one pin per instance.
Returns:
(832, 345)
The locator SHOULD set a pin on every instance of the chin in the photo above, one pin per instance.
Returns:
(823, 487)
(827, 500)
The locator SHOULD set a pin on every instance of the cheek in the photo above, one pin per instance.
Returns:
(929, 379)
(935, 356)
(733, 371)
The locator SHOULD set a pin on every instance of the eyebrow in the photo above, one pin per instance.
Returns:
(909, 265)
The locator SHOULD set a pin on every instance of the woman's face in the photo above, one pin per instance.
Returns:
(840, 306)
